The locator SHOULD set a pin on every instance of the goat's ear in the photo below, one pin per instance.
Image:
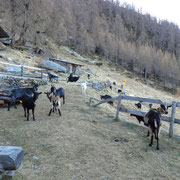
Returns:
(45, 92)
(169, 106)
(40, 93)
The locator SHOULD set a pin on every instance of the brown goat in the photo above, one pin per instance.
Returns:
(55, 102)
(152, 120)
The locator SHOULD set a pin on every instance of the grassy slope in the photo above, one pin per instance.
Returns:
(80, 144)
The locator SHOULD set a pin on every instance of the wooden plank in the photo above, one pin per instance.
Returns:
(7, 99)
(171, 127)
(132, 111)
(4, 94)
(139, 113)
(91, 98)
(178, 104)
(131, 98)
(107, 100)
(118, 107)
(16, 65)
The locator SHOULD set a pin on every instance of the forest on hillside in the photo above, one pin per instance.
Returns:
(127, 38)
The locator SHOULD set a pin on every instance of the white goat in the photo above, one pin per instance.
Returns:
(84, 87)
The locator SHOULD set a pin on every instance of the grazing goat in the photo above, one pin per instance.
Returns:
(29, 103)
(88, 76)
(150, 106)
(107, 97)
(84, 87)
(17, 94)
(58, 92)
(138, 105)
(72, 78)
(52, 77)
(139, 118)
(152, 120)
(55, 103)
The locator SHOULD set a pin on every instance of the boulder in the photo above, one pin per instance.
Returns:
(52, 65)
(88, 70)
(99, 86)
(11, 158)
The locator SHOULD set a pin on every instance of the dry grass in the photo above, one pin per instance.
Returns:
(80, 144)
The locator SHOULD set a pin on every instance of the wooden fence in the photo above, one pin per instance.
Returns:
(171, 119)
(23, 67)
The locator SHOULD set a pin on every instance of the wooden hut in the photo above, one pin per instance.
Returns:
(70, 66)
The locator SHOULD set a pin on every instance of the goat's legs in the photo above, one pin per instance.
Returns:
(9, 104)
(33, 114)
(27, 114)
(148, 134)
(157, 147)
(63, 99)
(59, 111)
(151, 143)
(24, 112)
(50, 111)
(14, 102)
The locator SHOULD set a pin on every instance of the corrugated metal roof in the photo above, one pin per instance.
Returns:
(64, 61)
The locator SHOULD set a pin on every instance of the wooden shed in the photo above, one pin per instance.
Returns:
(70, 66)
(4, 37)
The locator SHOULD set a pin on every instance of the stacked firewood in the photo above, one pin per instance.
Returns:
(5, 96)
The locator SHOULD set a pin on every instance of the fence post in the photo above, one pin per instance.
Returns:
(90, 101)
(22, 70)
(118, 106)
(171, 127)
(41, 74)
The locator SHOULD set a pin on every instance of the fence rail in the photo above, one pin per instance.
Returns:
(171, 119)
(22, 68)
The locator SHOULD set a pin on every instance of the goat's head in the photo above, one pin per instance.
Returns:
(53, 89)
(48, 95)
(35, 87)
(164, 108)
(36, 95)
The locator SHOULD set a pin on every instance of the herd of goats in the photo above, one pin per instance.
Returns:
(29, 96)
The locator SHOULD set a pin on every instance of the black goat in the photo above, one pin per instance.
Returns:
(88, 76)
(52, 77)
(139, 118)
(58, 92)
(17, 94)
(72, 78)
(29, 103)
(152, 120)
(107, 97)
(150, 106)
(138, 105)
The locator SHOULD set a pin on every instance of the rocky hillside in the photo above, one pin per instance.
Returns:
(139, 43)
